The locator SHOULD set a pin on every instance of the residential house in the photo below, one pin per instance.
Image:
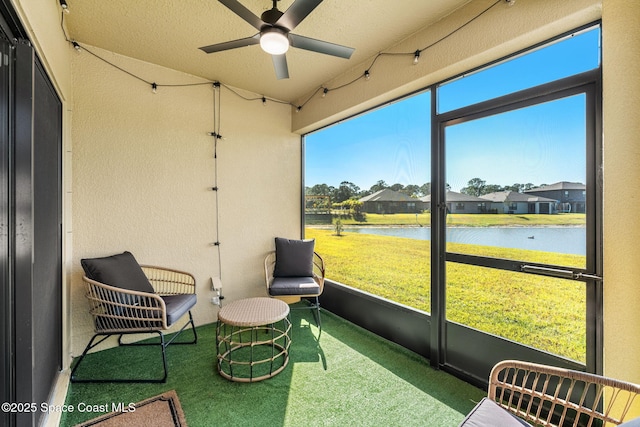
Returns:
(460, 203)
(512, 202)
(571, 196)
(135, 160)
(387, 201)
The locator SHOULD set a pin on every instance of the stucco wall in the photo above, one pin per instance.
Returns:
(143, 168)
(621, 104)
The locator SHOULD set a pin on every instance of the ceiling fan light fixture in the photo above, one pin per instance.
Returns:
(274, 41)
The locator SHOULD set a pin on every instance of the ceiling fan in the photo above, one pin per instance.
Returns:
(275, 35)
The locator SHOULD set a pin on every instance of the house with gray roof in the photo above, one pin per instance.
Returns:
(460, 203)
(571, 196)
(513, 202)
(387, 201)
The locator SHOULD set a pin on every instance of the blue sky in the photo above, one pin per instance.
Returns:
(541, 145)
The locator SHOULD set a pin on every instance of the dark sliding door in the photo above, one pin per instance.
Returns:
(5, 198)
(31, 224)
(46, 303)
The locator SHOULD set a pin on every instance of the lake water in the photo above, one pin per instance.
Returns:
(566, 240)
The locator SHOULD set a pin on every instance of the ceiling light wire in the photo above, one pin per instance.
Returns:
(462, 26)
(217, 102)
(324, 89)
(416, 54)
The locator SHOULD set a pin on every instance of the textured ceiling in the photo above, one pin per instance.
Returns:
(169, 33)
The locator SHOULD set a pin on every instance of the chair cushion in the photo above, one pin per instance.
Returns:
(294, 258)
(487, 413)
(294, 286)
(178, 305)
(121, 271)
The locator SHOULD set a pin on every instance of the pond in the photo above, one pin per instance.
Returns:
(565, 240)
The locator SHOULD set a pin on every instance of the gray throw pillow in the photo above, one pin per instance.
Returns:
(121, 270)
(294, 258)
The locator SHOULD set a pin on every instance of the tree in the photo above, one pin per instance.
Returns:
(345, 191)
(475, 187)
(321, 190)
(355, 209)
(425, 189)
(411, 190)
(491, 188)
(397, 187)
(518, 187)
(380, 185)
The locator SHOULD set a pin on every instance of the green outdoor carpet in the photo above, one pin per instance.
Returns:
(351, 378)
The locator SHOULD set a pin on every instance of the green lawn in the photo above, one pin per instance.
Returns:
(543, 312)
(472, 220)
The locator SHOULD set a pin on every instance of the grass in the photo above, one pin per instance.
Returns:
(350, 377)
(473, 220)
(543, 312)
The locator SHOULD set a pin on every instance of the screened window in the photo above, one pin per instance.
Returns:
(373, 172)
(507, 224)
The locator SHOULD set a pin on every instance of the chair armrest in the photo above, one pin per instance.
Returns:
(122, 310)
(167, 281)
(269, 266)
(318, 270)
(550, 395)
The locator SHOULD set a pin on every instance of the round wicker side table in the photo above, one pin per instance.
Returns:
(253, 339)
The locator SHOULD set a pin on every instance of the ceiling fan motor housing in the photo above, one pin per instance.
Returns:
(271, 16)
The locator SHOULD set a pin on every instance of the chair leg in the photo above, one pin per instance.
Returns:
(162, 345)
(317, 316)
(89, 346)
(193, 329)
(175, 335)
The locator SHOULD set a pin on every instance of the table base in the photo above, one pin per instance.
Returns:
(251, 354)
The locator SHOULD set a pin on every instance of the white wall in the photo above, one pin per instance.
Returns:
(143, 168)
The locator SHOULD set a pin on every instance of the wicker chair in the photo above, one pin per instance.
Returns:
(117, 310)
(550, 396)
(292, 289)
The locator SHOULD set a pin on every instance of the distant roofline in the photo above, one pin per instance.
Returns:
(562, 185)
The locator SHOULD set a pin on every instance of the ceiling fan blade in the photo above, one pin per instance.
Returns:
(243, 13)
(280, 64)
(296, 13)
(248, 41)
(320, 46)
